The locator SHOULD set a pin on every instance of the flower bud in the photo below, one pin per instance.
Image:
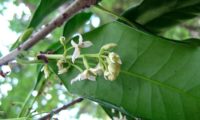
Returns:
(113, 68)
(46, 71)
(108, 46)
(61, 71)
(61, 68)
(114, 58)
(62, 40)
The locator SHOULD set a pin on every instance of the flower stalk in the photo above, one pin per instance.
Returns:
(108, 63)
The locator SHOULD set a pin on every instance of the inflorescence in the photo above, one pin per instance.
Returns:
(108, 63)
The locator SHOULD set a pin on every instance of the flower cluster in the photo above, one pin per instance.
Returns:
(113, 67)
(88, 74)
(108, 62)
(77, 47)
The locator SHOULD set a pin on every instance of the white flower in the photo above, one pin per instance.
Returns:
(46, 71)
(120, 117)
(60, 65)
(87, 74)
(61, 71)
(109, 76)
(98, 70)
(77, 47)
(114, 58)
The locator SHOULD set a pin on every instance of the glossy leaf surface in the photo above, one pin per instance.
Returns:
(159, 79)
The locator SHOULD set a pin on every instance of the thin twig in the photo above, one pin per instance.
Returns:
(72, 9)
(49, 115)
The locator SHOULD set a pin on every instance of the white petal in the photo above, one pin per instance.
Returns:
(77, 78)
(80, 40)
(119, 61)
(97, 70)
(91, 77)
(86, 44)
(106, 73)
(46, 75)
(114, 58)
(76, 54)
(46, 71)
(42, 69)
(87, 75)
(73, 80)
(73, 43)
(111, 57)
(61, 71)
(84, 75)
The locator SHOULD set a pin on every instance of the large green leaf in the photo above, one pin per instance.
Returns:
(45, 7)
(159, 79)
(157, 15)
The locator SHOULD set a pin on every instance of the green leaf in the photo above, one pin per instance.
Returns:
(74, 24)
(161, 14)
(45, 8)
(159, 79)
(23, 37)
(192, 41)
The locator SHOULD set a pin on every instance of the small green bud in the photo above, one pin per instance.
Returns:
(62, 40)
(108, 46)
(25, 35)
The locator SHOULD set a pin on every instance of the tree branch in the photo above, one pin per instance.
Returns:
(49, 115)
(75, 7)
